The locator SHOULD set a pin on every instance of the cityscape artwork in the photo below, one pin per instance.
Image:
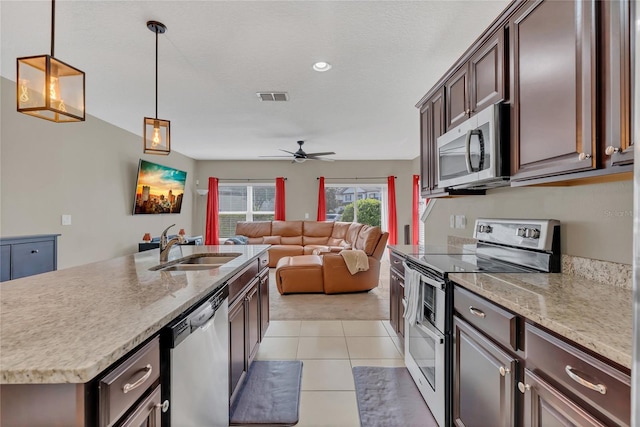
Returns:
(159, 189)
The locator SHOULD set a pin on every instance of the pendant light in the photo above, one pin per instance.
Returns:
(157, 132)
(49, 88)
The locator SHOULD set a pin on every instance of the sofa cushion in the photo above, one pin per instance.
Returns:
(271, 240)
(278, 251)
(352, 233)
(255, 240)
(306, 240)
(317, 229)
(368, 239)
(286, 229)
(340, 230)
(254, 229)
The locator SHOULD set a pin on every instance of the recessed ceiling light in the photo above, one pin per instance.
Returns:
(322, 66)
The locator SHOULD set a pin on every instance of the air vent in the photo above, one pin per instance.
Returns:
(273, 96)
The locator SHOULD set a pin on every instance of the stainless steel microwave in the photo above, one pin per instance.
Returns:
(475, 154)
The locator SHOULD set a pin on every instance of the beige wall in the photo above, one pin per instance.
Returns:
(302, 185)
(87, 170)
(597, 219)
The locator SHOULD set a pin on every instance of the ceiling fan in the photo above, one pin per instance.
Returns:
(300, 156)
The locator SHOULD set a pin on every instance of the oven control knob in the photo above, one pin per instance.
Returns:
(532, 233)
(482, 228)
(521, 231)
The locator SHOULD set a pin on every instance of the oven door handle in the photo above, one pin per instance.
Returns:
(435, 335)
(431, 282)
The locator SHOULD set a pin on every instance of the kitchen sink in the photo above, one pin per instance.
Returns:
(204, 261)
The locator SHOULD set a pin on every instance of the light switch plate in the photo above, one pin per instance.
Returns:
(452, 221)
(66, 219)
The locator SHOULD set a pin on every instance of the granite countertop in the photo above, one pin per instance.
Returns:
(596, 315)
(67, 326)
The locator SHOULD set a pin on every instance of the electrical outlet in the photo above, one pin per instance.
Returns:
(66, 219)
(306, 215)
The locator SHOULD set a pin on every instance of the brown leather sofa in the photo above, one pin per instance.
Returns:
(295, 238)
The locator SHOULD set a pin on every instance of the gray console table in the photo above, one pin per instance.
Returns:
(23, 256)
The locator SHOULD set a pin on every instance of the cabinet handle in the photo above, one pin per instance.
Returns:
(584, 156)
(573, 374)
(523, 387)
(395, 261)
(611, 150)
(504, 371)
(128, 387)
(164, 406)
(477, 312)
(35, 251)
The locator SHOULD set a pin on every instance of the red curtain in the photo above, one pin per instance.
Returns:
(211, 232)
(322, 206)
(393, 219)
(280, 209)
(415, 217)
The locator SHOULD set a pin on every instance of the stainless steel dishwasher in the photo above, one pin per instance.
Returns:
(199, 365)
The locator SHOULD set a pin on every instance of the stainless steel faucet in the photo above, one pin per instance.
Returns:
(166, 245)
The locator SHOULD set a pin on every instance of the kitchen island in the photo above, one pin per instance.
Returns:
(69, 326)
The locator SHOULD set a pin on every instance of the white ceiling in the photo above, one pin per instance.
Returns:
(216, 55)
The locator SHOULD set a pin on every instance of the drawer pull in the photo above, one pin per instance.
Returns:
(395, 261)
(164, 406)
(477, 312)
(35, 251)
(128, 387)
(504, 371)
(600, 388)
(523, 387)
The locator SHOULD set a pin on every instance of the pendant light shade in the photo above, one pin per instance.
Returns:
(49, 88)
(157, 132)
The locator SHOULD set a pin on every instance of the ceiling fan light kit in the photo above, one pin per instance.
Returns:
(157, 132)
(49, 88)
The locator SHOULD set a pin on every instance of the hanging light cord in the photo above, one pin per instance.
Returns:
(53, 24)
(156, 72)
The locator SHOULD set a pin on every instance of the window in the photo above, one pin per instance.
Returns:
(370, 208)
(244, 203)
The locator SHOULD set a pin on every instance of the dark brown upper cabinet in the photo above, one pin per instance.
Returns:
(617, 139)
(553, 88)
(487, 73)
(478, 83)
(431, 127)
(457, 89)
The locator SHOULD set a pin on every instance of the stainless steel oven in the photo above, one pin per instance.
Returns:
(475, 154)
(425, 340)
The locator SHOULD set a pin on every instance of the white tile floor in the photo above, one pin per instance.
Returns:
(329, 349)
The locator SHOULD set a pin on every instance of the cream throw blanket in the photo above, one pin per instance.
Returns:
(356, 260)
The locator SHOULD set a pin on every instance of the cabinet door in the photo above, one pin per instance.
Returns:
(544, 406)
(5, 263)
(487, 73)
(457, 97)
(237, 345)
(484, 380)
(147, 413)
(393, 300)
(253, 318)
(28, 259)
(431, 127)
(264, 302)
(553, 68)
(616, 94)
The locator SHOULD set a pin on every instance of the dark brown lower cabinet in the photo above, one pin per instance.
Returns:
(264, 302)
(237, 345)
(248, 319)
(545, 406)
(396, 293)
(484, 380)
(147, 413)
(252, 301)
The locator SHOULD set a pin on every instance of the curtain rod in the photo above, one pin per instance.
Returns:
(360, 177)
(249, 179)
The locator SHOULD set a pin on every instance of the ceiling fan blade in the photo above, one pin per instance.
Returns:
(324, 159)
(327, 153)
(290, 152)
(282, 157)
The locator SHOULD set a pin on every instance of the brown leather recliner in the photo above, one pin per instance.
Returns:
(336, 276)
